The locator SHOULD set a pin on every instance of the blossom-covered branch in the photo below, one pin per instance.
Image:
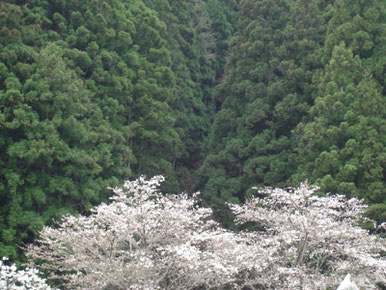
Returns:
(13, 279)
(144, 239)
(141, 240)
(314, 240)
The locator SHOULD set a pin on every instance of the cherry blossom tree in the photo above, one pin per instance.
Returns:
(313, 241)
(13, 279)
(144, 239)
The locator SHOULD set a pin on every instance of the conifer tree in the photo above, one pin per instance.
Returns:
(85, 92)
(343, 147)
(267, 91)
(195, 62)
(359, 27)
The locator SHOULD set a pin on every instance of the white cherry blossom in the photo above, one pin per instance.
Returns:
(144, 239)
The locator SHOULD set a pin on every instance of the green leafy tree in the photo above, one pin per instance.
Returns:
(57, 157)
(343, 147)
(85, 94)
(16, 60)
(267, 91)
(190, 40)
(361, 25)
(118, 49)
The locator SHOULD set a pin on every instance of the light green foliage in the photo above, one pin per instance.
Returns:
(362, 27)
(56, 155)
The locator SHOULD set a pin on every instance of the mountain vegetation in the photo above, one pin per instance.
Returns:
(144, 239)
(303, 99)
(219, 96)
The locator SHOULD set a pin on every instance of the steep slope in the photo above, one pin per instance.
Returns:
(196, 34)
(85, 92)
(94, 92)
(343, 145)
(267, 91)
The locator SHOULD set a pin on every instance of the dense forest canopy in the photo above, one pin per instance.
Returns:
(303, 99)
(217, 95)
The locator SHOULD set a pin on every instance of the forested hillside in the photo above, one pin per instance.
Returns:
(303, 98)
(95, 92)
(216, 95)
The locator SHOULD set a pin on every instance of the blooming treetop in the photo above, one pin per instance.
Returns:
(13, 279)
(313, 240)
(142, 240)
(147, 240)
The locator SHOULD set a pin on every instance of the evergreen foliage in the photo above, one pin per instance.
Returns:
(343, 147)
(350, 109)
(361, 25)
(267, 91)
(86, 92)
(191, 96)
(292, 109)
(217, 95)
(196, 34)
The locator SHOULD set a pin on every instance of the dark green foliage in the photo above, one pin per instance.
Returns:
(117, 47)
(289, 104)
(195, 61)
(55, 152)
(191, 102)
(222, 16)
(94, 92)
(266, 93)
(84, 103)
(343, 148)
